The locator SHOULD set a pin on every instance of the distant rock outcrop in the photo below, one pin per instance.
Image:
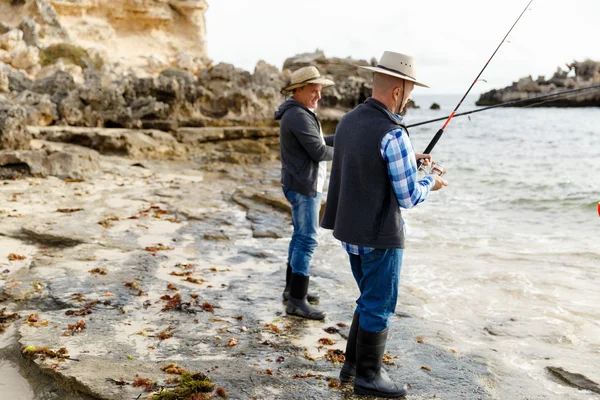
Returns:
(578, 75)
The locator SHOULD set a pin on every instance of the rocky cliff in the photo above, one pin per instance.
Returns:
(140, 35)
(219, 95)
(576, 75)
(143, 64)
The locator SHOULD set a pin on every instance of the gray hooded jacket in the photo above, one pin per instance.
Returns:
(301, 147)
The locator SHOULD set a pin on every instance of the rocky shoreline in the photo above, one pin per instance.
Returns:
(577, 75)
(144, 264)
(143, 231)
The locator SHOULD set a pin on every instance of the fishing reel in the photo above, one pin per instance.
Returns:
(433, 168)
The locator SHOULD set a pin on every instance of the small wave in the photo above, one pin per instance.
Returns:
(555, 202)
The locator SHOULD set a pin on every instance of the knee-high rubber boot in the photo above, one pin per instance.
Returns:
(311, 297)
(371, 379)
(297, 303)
(348, 371)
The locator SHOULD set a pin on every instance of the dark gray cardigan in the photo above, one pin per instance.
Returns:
(301, 147)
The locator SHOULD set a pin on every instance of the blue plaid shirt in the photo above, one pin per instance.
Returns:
(398, 153)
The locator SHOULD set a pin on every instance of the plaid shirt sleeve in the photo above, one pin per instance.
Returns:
(398, 153)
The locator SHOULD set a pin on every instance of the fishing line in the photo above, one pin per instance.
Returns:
(573, 93)
(551, 100)
(439, 133)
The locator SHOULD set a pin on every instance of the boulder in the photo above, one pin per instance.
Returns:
(149, 108)
(435, 106)
(13, 134)
(188, 61)
(140, 144)
(25, 57)
(73, 162)
(267, 75)
(58, 85)
(104, 103)
(41, 111)
(17, 80)
(31, 31)
(575, 380)
(71, 109)
(11, 39)
(155, 64)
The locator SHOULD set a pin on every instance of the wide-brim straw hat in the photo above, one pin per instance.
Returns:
(305, 76)
(399, 65)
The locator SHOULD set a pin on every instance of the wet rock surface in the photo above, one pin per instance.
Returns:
(184, 262)
(576, 380)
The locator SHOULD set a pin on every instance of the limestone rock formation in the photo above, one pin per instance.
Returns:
(125, 31)
(66, 161)
(578, 74)
(142, 144)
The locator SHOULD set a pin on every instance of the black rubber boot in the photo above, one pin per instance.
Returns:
(311, 297)
(297, 303)
(348, 371)
(371, 379)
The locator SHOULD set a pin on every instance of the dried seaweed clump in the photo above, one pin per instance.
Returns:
(190, 387)
(336, 356)
(44, 352)
(6, 319)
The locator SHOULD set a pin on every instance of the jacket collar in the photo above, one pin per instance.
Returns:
(296, 103)
(371, 102)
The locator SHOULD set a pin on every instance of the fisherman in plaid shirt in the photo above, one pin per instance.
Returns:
(398, 153)
(373, 176)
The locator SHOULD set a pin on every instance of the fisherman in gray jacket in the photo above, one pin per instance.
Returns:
(304, 153)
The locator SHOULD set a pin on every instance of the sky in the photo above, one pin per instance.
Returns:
(451, 40)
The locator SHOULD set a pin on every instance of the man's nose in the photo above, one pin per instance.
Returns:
(318, 95)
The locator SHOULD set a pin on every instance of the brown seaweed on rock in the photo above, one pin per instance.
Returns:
(6, 319)
(190, 387)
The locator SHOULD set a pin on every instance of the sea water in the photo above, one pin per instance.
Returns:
(507, 257)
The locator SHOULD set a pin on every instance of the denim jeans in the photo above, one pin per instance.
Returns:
(305, 219)
(377, 274)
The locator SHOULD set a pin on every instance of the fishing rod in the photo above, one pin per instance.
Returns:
(439, 133)
(508, 103)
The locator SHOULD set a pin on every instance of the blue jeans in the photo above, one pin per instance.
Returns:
(378, 276)
(305, 219)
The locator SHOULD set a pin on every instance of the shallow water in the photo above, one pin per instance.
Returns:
(12, 385)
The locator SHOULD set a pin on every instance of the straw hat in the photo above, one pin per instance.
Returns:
(305, 76)
(398, 65)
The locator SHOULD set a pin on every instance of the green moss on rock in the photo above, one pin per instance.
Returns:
(70, 53)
